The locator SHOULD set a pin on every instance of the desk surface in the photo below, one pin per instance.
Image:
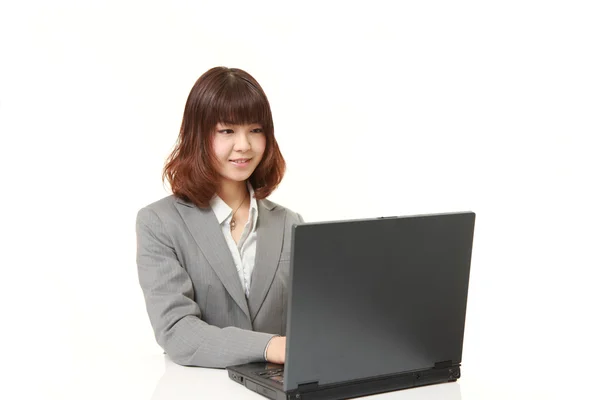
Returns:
(155, 377)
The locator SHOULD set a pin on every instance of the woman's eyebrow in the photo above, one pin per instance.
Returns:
(248, 124)
(225, 123)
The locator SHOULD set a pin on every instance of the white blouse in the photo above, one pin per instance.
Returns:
(244, 252)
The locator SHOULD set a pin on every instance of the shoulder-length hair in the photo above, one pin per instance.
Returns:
(220, 95)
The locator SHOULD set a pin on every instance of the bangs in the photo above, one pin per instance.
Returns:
(239, 102)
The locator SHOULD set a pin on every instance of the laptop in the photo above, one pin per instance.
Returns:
(375, 305)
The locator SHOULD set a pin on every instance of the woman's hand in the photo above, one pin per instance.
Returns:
(276, 350)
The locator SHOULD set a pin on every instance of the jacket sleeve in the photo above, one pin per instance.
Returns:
(175, 316)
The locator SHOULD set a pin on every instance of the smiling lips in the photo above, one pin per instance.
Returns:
(241, 162)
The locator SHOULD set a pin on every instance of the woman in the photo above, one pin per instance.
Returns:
(213, 258)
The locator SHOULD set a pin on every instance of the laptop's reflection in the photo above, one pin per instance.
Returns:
(183, 383)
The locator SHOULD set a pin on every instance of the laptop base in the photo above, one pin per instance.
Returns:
(245, 375)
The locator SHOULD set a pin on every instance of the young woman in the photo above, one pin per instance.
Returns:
(213, 258)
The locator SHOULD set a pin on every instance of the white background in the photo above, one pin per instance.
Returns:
(379, 108)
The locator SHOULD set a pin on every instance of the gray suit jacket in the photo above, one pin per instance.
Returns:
(194, 297)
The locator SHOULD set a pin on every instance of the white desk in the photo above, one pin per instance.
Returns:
(116, 376)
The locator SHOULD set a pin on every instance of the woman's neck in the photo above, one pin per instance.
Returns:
(233, 193)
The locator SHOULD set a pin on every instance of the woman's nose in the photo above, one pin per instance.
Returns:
(242, 143)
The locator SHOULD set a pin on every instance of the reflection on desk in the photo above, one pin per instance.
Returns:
(183, 383)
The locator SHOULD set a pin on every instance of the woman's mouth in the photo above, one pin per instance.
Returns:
(241, 162)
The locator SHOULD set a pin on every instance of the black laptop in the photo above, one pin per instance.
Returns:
(374, 305)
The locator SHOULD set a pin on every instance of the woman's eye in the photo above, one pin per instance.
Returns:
(257, 130)
(226, 131)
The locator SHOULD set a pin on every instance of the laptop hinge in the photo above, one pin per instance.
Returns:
(309, 386)
(443, 364)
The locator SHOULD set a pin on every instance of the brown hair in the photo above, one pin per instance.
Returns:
(221, 95)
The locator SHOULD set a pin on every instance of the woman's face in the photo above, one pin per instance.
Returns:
(239, 149)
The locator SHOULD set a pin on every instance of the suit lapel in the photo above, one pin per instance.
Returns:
(206, 231)
(270, 226)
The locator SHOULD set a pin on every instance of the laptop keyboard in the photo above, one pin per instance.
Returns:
(274, 374)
